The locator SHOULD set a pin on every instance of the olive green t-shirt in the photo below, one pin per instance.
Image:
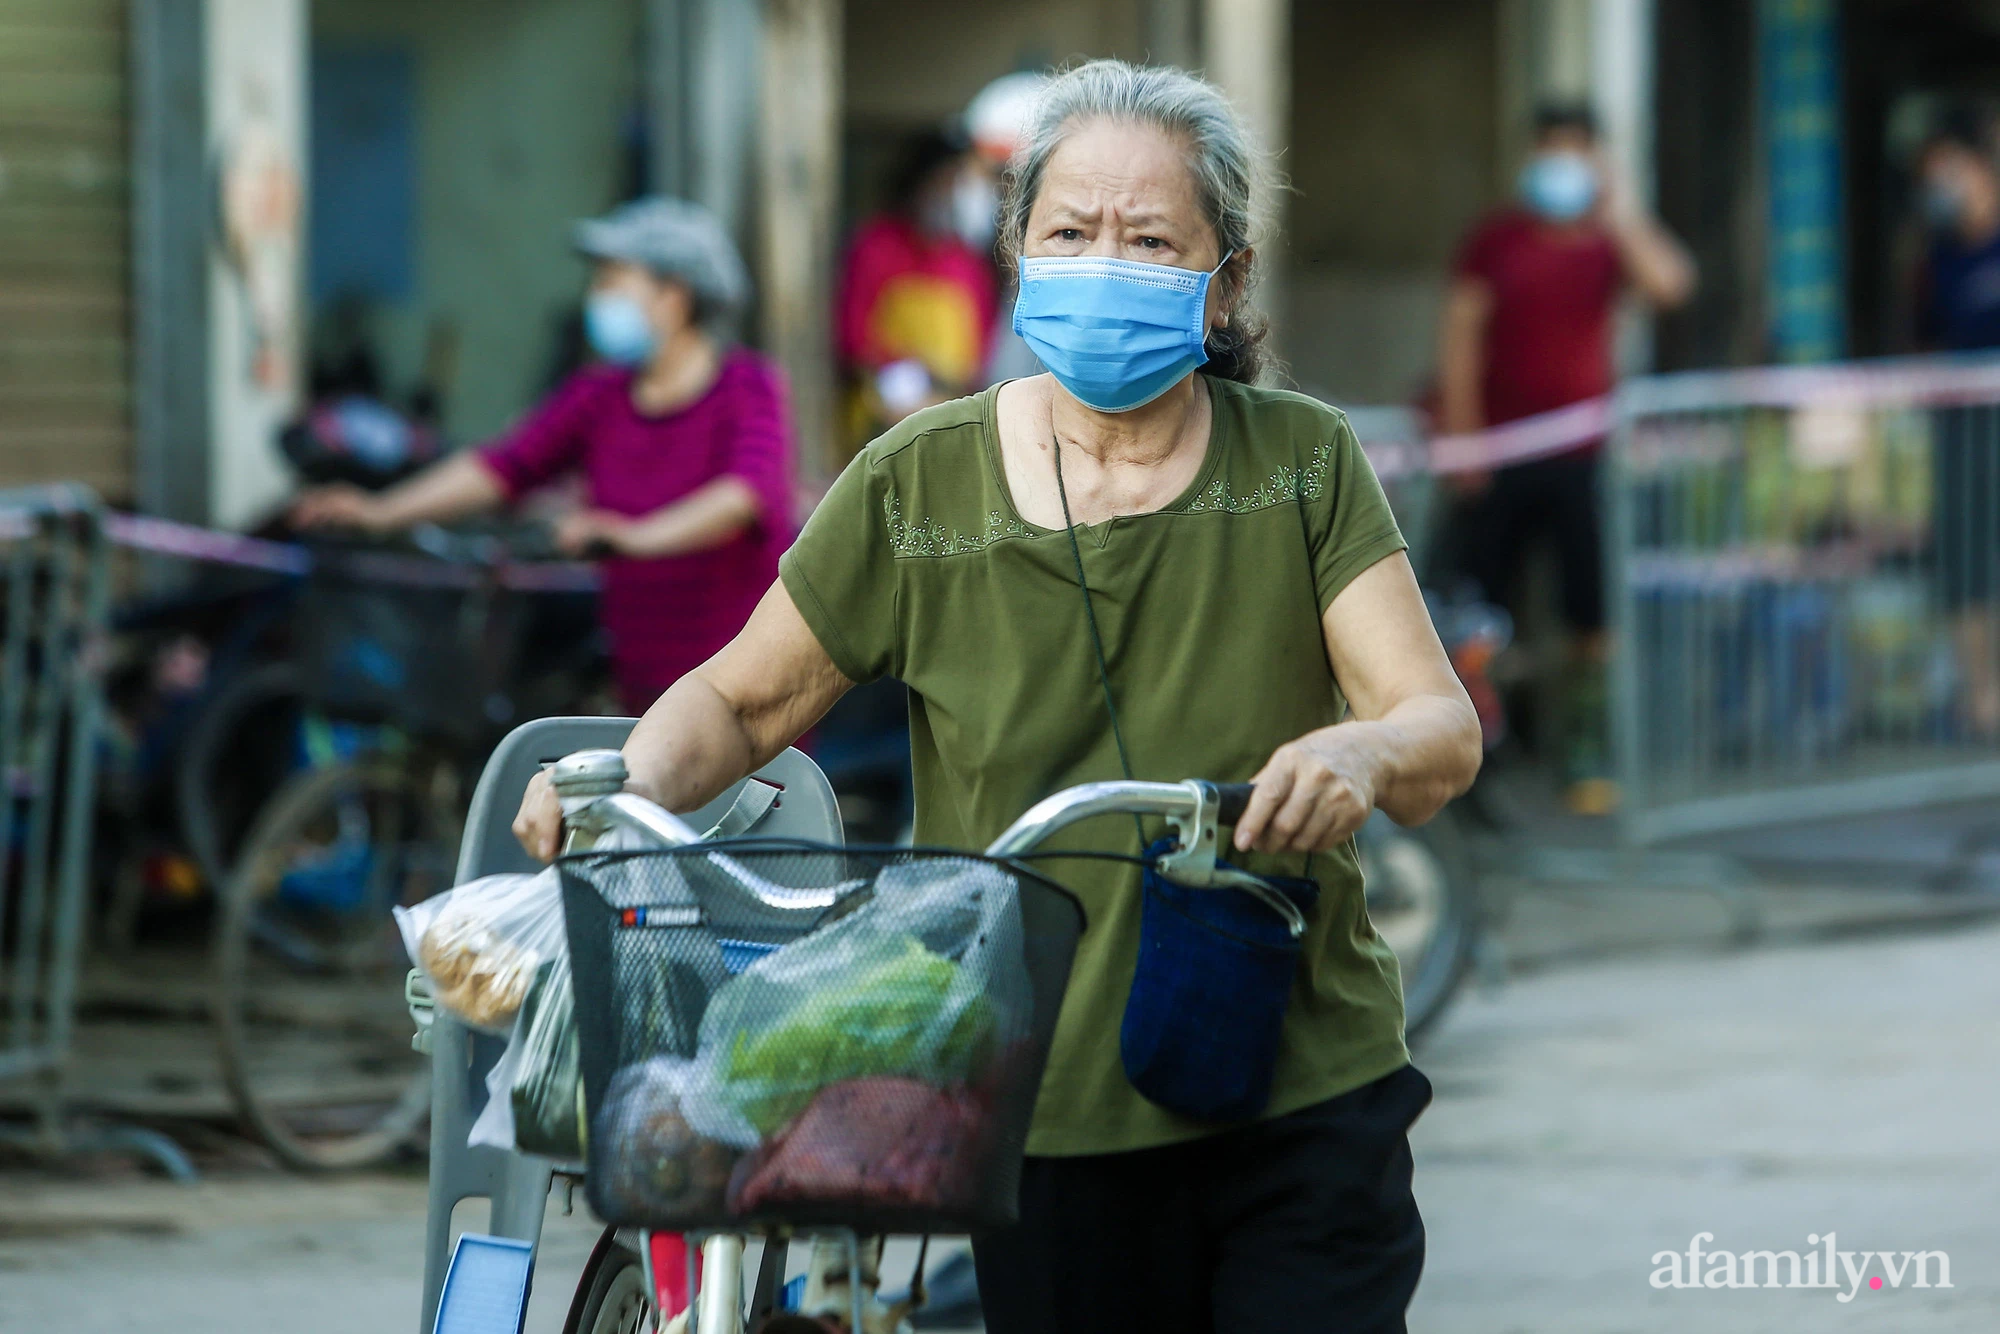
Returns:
(916, 565)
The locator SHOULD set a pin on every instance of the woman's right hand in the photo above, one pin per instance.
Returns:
(538, 824)
(338, 506)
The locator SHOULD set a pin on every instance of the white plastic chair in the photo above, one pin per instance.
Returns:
(518, 1184)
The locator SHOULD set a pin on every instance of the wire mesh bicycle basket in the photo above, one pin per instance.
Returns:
(780, 1033)
(419, 657)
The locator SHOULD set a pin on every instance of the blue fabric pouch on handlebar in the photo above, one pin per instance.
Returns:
(1207, 1007)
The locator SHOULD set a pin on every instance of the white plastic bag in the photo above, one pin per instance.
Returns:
(494, 1126)
(530, 1056)
(538, 1077)
(482, 943)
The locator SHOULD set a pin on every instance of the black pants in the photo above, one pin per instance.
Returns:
(1296, 1225)
(1553, 498)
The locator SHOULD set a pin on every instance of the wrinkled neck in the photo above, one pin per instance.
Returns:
(1144, 437)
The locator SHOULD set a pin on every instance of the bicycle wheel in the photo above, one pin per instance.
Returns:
(236, 752)
(1422, 900)
(314, 1035)
(611, 1296)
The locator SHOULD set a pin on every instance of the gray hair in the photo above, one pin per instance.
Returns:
(1227, 167)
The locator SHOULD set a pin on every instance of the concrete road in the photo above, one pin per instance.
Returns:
(1587, 1117)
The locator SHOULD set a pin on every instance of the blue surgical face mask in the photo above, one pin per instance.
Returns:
(1559, 186)
(618, 329)
(1943, 202)
(1116, 333)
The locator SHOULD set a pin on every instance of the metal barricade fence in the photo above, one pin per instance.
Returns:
(1804, 565)
(54, 626)
(52, 541)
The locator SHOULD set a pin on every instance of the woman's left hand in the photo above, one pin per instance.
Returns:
(591, 532)
(1312, 793)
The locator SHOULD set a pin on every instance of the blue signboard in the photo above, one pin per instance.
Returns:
(363, 194)
(1800, 43)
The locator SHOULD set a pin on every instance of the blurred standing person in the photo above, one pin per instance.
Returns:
(684, 443)
(1527, 328)
(918, 288)
(1958, 309)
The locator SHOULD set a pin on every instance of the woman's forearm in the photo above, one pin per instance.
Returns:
(1655, 262)
(704, 518)
(736, 712)
(690, 746)
(1418, 756)
(452, 489)
(1462, 357)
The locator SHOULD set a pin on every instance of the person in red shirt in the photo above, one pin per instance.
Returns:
(919, 290)
(1527, 328)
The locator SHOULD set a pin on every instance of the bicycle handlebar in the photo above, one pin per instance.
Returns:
(1175, 801)
(590, 785)
(1232, 799)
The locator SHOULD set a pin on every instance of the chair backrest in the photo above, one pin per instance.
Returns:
(805, 807)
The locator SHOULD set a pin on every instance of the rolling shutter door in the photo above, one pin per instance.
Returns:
(64, 253)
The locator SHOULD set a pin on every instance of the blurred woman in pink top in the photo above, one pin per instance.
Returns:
(685, 445)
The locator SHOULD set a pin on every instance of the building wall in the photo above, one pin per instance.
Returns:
(910, 64)
(64, 313)
(256, 107)
(1394, 153)
(522, 111)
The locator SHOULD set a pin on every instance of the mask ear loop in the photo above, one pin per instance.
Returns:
(1220, 265)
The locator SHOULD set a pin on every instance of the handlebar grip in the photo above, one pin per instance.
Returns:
(1233, 800)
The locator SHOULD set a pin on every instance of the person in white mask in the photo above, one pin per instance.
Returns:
(1527, 329)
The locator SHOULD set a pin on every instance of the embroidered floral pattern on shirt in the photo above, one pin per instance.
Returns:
(1286, 483)
(928, 537)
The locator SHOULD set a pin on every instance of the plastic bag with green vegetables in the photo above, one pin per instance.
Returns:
(927, 981)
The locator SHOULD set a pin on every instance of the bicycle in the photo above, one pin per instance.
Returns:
(620, 1285)
(315, 1056)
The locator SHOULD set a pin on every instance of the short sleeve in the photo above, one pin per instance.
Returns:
(549, 441)
(1480, 255)
(841, 575)
(1349, 522)
(758, 450)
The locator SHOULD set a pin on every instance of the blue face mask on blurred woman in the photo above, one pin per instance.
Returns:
(1943, 202)
(1559, 186)
(618, 329)
(1116, 333)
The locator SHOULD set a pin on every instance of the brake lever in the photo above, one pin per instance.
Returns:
(1194, 863)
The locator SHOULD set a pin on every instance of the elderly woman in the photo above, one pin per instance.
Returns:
(1140, 563)
(684, 442)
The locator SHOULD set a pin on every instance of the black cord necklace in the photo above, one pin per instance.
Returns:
(1096, 638)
